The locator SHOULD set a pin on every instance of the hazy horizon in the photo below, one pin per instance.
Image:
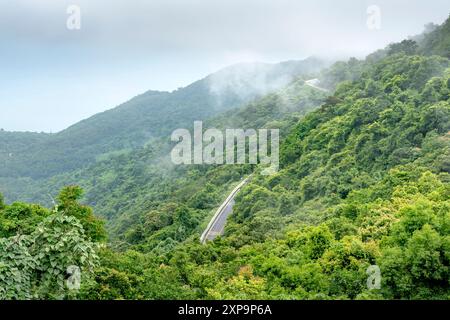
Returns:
(53, 77)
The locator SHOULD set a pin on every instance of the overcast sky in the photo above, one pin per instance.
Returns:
(52, 77)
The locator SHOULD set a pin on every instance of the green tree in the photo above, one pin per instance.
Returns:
(68, 204)
(408, 47)
(35, 266)
(2, 201)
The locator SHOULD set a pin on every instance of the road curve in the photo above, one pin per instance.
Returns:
(314, 83)
(217, 223)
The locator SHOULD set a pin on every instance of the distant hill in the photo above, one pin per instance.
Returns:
(437, 42)
(148, 116)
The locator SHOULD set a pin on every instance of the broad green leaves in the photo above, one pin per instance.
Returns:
(35, 266)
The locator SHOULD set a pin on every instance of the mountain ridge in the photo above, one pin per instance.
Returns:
(150, 115)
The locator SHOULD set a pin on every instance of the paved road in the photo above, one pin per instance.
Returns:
(314, 83)
(217, 224)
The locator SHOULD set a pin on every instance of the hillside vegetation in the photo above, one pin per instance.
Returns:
(364, 180)
(142, 120)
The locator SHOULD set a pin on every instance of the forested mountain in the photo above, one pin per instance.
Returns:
(437, 41)
(364, 180)
(144, 118)
(123, 187)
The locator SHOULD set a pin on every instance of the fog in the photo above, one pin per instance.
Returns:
(52, 77)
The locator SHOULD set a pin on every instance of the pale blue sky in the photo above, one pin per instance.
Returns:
(51, 77)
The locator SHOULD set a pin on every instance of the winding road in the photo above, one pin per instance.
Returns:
(217, 224)
(314, 83)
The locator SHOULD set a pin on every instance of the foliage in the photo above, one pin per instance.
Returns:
(143, 119)
(68, 204)
(364, 180)
(35, 266)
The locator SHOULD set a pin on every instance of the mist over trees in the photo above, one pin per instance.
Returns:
(364, 180)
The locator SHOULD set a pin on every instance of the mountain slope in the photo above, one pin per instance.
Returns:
(364, 186)
(124, 188)
(365, 181)
(148, 116)
(437, 42)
